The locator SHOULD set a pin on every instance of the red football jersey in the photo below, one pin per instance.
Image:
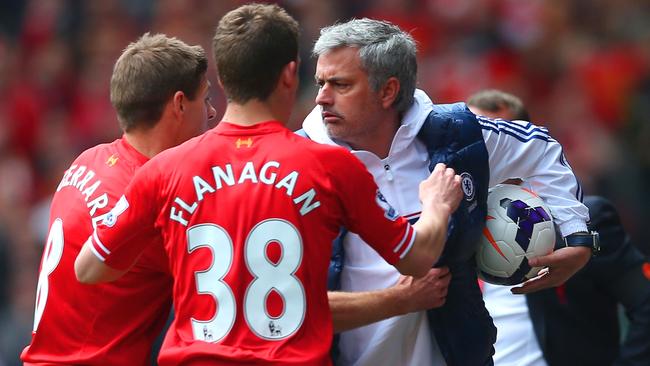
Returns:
(247, 216)
(108, 324)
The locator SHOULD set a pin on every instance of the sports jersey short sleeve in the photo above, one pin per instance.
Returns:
(247, 216)
(95, 325)
(131, 222)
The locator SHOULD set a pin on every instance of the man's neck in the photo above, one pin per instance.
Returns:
(381, 138)
(252, 113)
(148, 143)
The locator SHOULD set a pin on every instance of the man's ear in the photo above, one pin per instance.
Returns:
(388, 92)
(178, 101)
(219, 81)
(289, 75)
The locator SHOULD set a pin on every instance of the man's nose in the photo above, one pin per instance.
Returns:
(324, 96)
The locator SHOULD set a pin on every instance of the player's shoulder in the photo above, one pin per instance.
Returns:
(325, 153)
(302, 139)
(101, 161)
(97, 153)
(177, 161)
(180, 155)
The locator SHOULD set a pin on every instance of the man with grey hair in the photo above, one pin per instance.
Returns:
(367, 102)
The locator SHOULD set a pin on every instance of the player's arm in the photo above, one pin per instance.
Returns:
(90, 269)
(117, 242)
(522, 150)
(440, 194)
(113, 248)
(355, 309)
(412, 249)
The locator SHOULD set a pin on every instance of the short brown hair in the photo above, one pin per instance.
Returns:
(149, 72)
(493, 100)
(251, 46)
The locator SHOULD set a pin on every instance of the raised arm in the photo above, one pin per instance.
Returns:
(440, 194)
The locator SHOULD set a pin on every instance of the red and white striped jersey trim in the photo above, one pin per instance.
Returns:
(412, 216)
(98, 248)
(409, 238)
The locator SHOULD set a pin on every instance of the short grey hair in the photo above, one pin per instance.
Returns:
(384, 49)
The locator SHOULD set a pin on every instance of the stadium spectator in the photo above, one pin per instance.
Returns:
(367, 102)
(161, 94)
(247, 213)
(577, 322)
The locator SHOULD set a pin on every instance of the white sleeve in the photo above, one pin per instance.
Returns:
(520, 149)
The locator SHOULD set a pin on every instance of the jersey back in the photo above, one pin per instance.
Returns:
(248, 215)
(95, 325)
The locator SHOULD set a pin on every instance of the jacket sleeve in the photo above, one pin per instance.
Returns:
(520, 149)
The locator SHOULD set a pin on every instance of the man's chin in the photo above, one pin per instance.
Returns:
(334, 131)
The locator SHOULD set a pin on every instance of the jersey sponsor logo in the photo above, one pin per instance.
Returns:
(467, 184)
(240, 142)
(111, 217)
(112, 160)
(389, 211)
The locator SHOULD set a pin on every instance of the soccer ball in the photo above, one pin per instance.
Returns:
(518, 227)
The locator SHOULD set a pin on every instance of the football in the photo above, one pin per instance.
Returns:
(518, 227)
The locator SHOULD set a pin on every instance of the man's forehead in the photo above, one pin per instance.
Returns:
(338, 62)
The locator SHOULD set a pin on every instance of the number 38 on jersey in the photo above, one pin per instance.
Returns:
(267, 277)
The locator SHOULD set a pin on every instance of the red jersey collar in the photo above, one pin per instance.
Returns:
(130, 153)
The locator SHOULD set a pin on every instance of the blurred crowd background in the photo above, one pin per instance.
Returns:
(582, 67)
